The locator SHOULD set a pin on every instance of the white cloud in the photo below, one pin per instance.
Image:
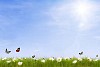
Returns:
(59, 16)
(83, 26)
(97, 37)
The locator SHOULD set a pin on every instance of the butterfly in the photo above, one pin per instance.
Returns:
(81, 53)
(96, 55)
(18, 49)
(33, 56)
(6, 51)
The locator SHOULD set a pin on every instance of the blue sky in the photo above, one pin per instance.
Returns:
(49, 28)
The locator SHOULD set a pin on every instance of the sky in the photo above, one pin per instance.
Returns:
(50, 28)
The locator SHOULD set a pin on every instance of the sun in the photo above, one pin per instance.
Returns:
(82, 9)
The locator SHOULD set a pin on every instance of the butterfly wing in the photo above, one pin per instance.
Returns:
(7, 51)
(81, 53)
(96, 55)
(33, 56)
(18, 49)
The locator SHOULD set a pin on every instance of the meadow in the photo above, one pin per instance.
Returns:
(49, 62)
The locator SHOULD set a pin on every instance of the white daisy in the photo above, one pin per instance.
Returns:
(66, 58)
(80, 59)
(59, 59)
(4, 58)
(52, 59)
(43, 61)
(20, 63)
(74, 62)
(95, 59)
(14, 59)
(89, 59)
(8, 61)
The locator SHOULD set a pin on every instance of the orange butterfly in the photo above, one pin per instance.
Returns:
(18, 49)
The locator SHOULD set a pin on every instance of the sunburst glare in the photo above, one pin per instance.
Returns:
(83, 9)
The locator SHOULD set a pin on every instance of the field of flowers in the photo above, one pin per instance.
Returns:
(49, 62)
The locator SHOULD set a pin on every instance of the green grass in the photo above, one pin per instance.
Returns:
(49, 62)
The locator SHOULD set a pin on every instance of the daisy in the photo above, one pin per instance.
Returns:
(4, 58)
(80, 59)
(52, 59)
(89, 59)
(59, 59)
(43, 61)
(20, 63)
(8, 61)
(74, 62)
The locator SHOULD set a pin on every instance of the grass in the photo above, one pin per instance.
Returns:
(49, 62)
